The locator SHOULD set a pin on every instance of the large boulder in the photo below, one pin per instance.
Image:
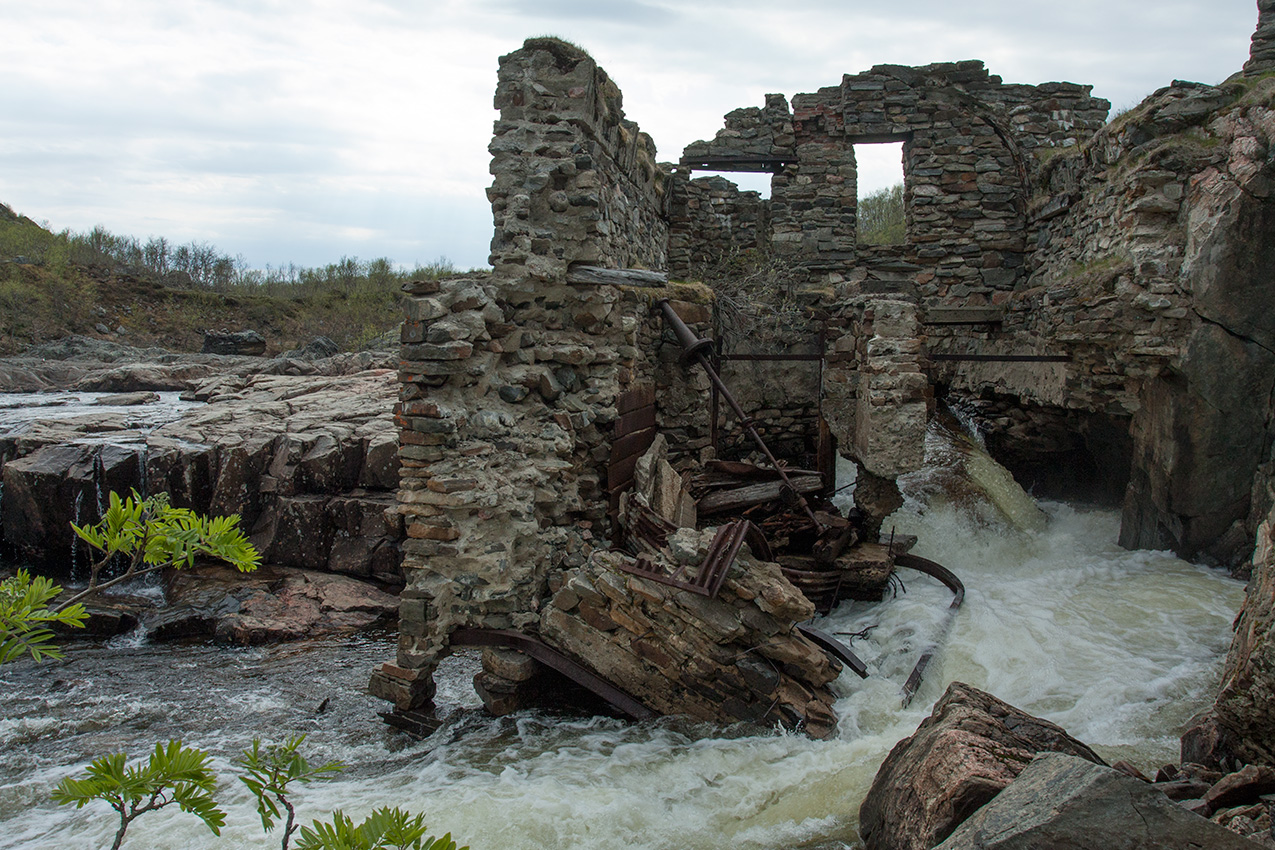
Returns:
(244, 343)
(271, 604)
(970, 747)
(1062, 802)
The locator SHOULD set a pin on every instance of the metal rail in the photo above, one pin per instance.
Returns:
(943, 574)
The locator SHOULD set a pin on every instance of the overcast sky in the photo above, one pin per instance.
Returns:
(306, 131)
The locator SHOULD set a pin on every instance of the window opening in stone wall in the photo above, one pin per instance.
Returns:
(880, 172)
(746, 181)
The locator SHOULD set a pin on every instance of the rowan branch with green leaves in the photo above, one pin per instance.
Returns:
(270, 769)
(384, 829)
(153, 535)
(174, 773)
(24, 613)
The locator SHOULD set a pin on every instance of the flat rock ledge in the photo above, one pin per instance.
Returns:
(269, 605)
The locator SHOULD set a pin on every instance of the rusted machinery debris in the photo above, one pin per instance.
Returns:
(693, 351)
(712, 572)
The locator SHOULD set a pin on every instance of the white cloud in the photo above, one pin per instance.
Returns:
(291, 131)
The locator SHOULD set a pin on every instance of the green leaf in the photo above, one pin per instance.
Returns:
(24, 613)
(174, 773)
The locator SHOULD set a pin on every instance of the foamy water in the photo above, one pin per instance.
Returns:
(1118, 647)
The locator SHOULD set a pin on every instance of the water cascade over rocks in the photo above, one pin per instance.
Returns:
(1119, 648)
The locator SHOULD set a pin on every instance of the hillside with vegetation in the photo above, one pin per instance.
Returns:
(154, 293)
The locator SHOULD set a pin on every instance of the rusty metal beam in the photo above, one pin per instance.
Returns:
(835, 648)
(1002, 358)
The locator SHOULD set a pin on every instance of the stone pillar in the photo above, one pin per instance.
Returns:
(1261, 51)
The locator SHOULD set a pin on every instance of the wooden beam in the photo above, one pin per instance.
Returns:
(598, 276)
(754, 494)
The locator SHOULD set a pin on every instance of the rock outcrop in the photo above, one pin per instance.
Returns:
(970, 747)
(309, 463)
(1241, 726)
(1060, 801)
(242, 343)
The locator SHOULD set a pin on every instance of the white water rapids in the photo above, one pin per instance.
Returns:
(1118, 647)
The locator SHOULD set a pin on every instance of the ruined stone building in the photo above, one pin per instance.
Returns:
(1095, 292)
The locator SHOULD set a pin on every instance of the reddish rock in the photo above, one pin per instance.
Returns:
(1243, 787)
(271, 604)
(970, 747)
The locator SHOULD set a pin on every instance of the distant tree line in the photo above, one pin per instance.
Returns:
(197, 265)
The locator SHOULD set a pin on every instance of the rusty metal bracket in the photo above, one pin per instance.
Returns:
(722, 552)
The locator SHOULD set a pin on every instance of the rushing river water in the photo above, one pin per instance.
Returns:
(1118, 647)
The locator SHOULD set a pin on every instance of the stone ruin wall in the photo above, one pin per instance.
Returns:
(509, 384)
(573, 181)
(1055, 235)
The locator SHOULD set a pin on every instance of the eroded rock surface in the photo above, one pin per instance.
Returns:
(308, 462)
(1242, 725)
(1061, 801)
(970, 747)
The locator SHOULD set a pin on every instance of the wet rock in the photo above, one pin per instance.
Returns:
(970, 747)
(1061, 801)
(271, 604)
(243, 343)
(53, 486)
(1242, 724)
(127, 399)
(1243, 787)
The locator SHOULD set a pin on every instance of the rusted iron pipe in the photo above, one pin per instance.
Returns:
(954, 584)
(693, 349)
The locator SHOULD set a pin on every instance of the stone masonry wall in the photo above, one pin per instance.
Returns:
(710, 220)
(573, 180)
(508, 393)
(967, 139)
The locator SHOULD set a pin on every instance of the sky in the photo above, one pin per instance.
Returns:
(303, 132)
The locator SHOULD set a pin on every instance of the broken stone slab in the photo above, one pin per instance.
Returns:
(736, 657)
(1061, 801)
(970, 747)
